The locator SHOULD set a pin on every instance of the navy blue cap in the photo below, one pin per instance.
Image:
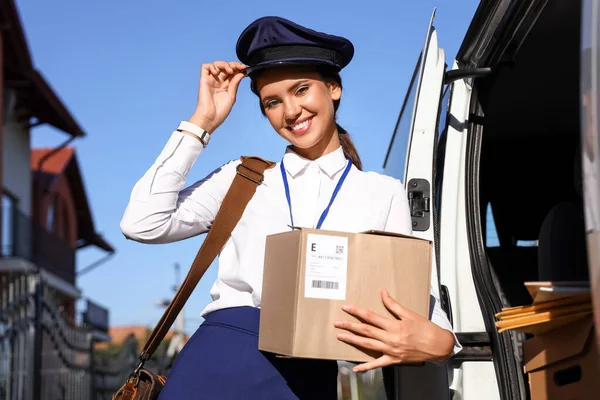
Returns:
(272, 41)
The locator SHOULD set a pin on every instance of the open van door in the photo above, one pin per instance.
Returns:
(415, 132)
(410, 159)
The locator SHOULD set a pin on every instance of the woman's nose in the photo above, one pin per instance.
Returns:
(292, 111)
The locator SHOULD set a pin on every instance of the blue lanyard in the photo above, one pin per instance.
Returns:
(335, 192)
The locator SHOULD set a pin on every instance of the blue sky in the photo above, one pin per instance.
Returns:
(128, 71)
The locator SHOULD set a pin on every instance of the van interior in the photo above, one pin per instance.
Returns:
(530, 167)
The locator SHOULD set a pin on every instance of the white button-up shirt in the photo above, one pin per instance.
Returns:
(161, 210)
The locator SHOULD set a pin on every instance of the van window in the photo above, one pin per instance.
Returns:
(527, 243)
(396, 158)
(491, 235)
(9, 205)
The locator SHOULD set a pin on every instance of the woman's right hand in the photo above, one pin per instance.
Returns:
(219, 83)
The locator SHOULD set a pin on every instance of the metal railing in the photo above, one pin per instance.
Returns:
(46, 356)
(25, 238)
(42, 357)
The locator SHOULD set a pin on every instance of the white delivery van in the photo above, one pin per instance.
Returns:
(491, 151)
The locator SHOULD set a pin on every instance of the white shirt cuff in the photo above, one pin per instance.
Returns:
(180, 153)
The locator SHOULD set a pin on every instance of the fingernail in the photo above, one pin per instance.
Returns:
(337, 324)
(341, 336)
(346, 308)
(385, 291)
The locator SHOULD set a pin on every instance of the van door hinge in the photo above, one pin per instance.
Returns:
(419, 203)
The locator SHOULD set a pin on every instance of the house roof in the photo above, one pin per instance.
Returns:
(36, 97)
(119, 334)
(49, 165)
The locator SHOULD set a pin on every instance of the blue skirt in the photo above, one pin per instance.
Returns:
(221, 361)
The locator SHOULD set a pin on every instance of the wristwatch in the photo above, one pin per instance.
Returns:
(203, 135)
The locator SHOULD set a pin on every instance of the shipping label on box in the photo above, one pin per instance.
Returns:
(326, 267)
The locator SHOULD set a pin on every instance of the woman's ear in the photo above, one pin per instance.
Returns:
(336, 90)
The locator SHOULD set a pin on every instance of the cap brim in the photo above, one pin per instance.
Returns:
(284, 63)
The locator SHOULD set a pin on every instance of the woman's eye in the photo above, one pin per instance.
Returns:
(271, 104)
(301, 90)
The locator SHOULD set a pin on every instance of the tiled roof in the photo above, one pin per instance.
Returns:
(55, 164)
(34, 90)
(118, 334)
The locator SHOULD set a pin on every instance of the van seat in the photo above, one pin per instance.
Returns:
(562, 248)
(562, 245)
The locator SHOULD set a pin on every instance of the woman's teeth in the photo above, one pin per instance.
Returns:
(301, 125)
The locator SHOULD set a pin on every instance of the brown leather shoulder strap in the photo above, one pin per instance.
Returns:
(249, 176)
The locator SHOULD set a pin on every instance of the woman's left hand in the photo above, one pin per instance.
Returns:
(408, 339)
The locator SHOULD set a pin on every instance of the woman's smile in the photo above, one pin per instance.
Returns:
(301, 127)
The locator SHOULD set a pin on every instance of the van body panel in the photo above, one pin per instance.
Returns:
(590, 138)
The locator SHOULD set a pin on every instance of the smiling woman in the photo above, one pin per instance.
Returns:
(315, 87)
(319, 183)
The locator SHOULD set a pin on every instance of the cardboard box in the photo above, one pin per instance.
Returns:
(563, 363)
(309, 274)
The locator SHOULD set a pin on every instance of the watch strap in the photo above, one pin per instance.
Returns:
(200, 133)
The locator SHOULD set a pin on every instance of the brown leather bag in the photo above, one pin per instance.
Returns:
(143, 384)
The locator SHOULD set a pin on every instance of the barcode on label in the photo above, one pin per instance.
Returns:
(326, 285)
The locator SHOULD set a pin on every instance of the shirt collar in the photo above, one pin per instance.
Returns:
(331, 163)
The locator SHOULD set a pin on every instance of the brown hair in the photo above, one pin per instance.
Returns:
(328, 75)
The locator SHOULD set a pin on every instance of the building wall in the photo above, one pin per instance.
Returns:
(16, 164)
(65, 216)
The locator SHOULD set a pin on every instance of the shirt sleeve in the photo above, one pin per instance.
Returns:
(161, 210)
(399, 221)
